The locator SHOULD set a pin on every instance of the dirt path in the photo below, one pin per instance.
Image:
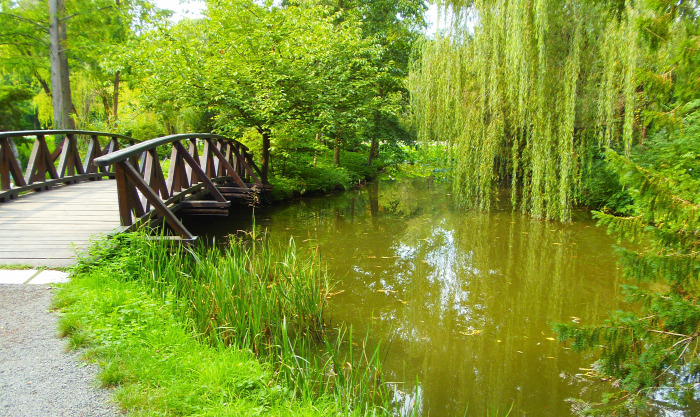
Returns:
(37, 376)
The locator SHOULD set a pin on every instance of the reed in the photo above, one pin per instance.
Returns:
(265, 297)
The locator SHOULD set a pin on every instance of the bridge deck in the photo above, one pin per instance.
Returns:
(47, 228)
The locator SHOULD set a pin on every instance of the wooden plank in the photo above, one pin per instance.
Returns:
(94, 221)
(111, 215)
(40, 255)
(204, 204)
(47, 249)
(66, 242)
(203, 212)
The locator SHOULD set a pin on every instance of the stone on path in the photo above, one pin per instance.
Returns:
(49, 277)
(16, 276)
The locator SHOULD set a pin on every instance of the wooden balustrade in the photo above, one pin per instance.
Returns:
(195, 184)
(224, 171)
(64, 165)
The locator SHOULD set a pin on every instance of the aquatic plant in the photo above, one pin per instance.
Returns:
(253, 295)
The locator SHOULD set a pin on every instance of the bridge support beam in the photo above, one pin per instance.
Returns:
(127, 173)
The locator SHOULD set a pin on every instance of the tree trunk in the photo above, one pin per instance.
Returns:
(115, 108)
(265, 157)
(107, 106)
(336, 151)
(60, 77)
(372, 151)
(43, 83)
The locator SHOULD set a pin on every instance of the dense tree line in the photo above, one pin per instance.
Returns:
(300, 77)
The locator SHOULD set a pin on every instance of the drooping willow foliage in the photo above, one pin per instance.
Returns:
(525, 91)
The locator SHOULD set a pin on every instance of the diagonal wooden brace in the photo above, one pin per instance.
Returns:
(155, 201)
(196, 169)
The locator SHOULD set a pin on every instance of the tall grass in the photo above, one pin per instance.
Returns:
(256, 295)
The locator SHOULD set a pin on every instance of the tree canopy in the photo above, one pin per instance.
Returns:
(527, 92)
(256, 66)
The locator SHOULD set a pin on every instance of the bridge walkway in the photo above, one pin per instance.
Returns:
(48, 228)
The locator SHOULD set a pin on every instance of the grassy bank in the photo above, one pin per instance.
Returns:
(232, 331)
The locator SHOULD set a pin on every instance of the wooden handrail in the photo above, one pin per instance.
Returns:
(144, 146)
(21, 133)
(46, 169)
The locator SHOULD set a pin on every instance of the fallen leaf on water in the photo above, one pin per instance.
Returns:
(551, 357)
(551, 338)
(387, 291)
(404, 302)
(372, 257)
(574, 319)
(498, 340)
(333, 294)
(519, 351)
(557, 243)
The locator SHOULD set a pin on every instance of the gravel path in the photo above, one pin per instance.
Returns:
(37, 377)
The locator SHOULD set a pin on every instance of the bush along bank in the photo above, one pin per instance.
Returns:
(218, 332)
(308, 173)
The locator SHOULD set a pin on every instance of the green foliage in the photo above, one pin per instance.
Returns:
(14, 107)
(674, 151)
(653, 351)
(423, 159)
(603, 190)
(154, 361)
(303, 173)
(205, 315)
(524, 91)
(98, 32)
(290, 72)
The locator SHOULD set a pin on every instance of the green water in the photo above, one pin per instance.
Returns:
(462, 300)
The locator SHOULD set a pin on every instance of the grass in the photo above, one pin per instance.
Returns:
(20, 267)
(217, 332)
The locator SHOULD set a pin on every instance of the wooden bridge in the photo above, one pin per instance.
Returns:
(93, 184)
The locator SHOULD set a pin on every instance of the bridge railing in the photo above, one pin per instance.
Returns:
(63, 165)
(225, 169)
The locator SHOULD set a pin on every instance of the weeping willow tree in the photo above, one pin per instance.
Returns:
(522, 90)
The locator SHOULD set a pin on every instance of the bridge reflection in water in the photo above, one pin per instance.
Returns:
(53, 203)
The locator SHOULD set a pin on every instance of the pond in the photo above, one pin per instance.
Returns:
(463, 301)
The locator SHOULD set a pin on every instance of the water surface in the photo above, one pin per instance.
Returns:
(463, 300)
